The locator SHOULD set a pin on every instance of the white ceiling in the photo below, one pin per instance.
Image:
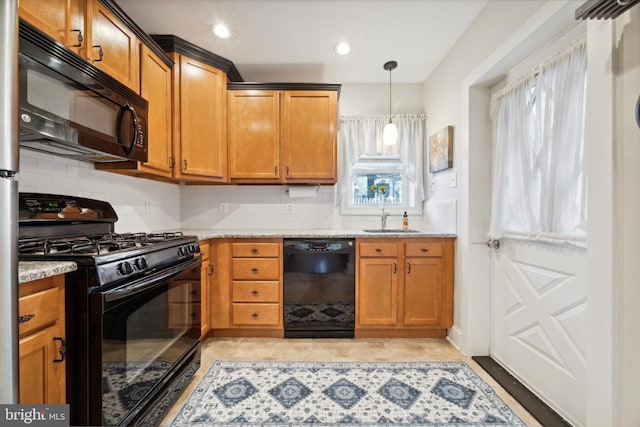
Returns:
(293, 40)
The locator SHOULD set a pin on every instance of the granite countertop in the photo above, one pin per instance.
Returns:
(34, 270)
(204, 234)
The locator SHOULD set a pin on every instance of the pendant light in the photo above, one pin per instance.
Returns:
(390, 133)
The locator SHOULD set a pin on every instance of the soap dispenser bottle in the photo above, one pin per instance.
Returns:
(405, 221)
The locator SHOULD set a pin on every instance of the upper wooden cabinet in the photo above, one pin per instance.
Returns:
(90, 29)
(309, 127)
(254, 135)
(156, 87)
(199, 111)
(112, 46)
(200, 120)
(62, 20)
(282, 135)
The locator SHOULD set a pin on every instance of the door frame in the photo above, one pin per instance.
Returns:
(471, 335)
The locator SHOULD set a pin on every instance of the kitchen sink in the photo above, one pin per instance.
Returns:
(390, 230)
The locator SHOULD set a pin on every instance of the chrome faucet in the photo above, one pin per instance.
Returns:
(383, 220)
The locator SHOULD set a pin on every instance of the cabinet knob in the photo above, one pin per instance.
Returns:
(79, 36)
(255, 315)
(100, 53)
(254, 270)
(378, 250)
(425, 250)
(254, 251)
(254, 292)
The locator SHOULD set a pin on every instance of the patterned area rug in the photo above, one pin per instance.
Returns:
(244, 393)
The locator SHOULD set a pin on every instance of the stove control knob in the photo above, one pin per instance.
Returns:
(191, 249)
(181, 251)
(140, 264)
(124, 268)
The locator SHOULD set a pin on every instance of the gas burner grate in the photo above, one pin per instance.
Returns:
(161, 237)
(64, 246)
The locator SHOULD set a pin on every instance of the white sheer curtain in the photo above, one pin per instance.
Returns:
(360, 138)
(539, 181)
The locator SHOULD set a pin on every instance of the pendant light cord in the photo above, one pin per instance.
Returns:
(389, 95)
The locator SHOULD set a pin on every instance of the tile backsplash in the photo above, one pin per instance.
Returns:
(141, 204)
(147, 205)
(270, 207)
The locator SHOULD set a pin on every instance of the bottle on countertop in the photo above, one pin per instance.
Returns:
(405, 221)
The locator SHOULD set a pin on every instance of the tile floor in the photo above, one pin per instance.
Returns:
(361, 349)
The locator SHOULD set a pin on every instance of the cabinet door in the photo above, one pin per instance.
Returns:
(155, 87)
(42, 368)
(424, 296)
(308, 136)
(203, 142)
(62, 20)
(254, 136)
(42, 381)
(377, 292)
(113, 48)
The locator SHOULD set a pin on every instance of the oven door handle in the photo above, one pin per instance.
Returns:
(148, 282)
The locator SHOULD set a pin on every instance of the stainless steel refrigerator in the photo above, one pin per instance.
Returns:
(9, 153)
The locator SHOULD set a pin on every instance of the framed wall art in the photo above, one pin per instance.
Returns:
(441, 150)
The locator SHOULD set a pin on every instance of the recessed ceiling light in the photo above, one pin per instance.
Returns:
(342, 48)
(221, 31)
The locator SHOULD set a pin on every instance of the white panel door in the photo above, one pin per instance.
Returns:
(539, 321)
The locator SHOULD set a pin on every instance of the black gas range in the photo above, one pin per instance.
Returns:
(132, 307)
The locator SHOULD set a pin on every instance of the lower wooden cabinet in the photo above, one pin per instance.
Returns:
(404, 287)
(42, 341)
(205, 287)
(246, 289)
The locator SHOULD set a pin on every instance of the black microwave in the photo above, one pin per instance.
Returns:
(70, 108)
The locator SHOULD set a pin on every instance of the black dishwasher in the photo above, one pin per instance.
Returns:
(319, 288)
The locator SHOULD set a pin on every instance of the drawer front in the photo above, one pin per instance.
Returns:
(246, 314)
(256, 269)
(256, 250)
(38, 310)
(378, 249)
(425, 249)
(256, 291)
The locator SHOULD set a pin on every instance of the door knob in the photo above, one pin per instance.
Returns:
(493, 243)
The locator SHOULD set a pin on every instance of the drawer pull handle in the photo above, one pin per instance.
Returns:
(255, 315)
(378, 250)
(63, 349)
(254, 292)
(254, 270)
(409, 268)
(80, 38)
(425, 250)
(254, 251)
(395, 268)
(25, 318)
(100, 53)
